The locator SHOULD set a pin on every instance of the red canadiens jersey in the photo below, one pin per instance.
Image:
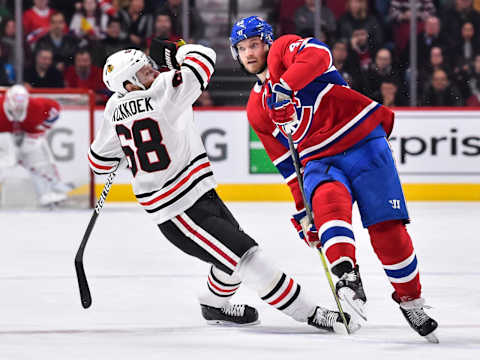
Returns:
(41, 114)
(332, 117)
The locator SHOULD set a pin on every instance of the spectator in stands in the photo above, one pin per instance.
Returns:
(136, 23)
(380, 70)
(304, 19)
(466, 48)
(428, 38)
(358, 16)
(6, 70)
(454, 18)
(63, 45)
(340, 56)
(473, 83)
(89, 22)
(440, 92)
(204, 100)
(400, 14)
(436, 62)
(285, 9)
(4, 13)
(43, 74)
(338, 7)
(84, 75)
(7, 41)
(163, 28)
(359, 52)
(388, 93)
(111, 44)
(36, 21)
(197, 25)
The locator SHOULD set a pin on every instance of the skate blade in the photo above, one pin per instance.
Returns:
(230, 323)
(351, 306)
(432, 337)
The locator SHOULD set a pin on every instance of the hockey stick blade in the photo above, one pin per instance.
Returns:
(85, 296)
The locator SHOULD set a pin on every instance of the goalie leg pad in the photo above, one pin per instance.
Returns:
(394, 248)
(36, 158)
(332, 208)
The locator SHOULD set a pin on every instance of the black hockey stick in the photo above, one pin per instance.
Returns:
(294, 155)
(85, 296)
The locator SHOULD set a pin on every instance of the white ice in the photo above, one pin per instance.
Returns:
(144, 290)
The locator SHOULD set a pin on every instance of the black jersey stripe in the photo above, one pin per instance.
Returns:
(204, 56)
(292, 299)
(220, 282)
(102, 158)
(175, 178)
(181, 194)
(197, 75)
(275, 289)
(217, 294)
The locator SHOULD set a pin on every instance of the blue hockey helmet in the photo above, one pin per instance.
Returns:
(249, 27)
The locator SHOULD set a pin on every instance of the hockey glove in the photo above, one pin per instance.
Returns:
(304, 226)
(163, 53)
(282, 109)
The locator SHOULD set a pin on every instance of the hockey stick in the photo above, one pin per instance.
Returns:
(294, 155)
(85, 296)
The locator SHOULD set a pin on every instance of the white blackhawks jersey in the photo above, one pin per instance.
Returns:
(154, 130)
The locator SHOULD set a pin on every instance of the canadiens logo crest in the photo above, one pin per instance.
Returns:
(304, 116)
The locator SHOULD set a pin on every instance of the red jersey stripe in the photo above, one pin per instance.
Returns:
(204, 67)
(173, 189)
(103, 167)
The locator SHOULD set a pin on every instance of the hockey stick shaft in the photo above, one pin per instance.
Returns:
(293, 153)
(85, 295)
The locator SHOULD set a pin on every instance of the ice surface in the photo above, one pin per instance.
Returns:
(144, 290)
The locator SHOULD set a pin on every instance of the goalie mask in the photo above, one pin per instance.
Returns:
(121, 68)
(16, 103)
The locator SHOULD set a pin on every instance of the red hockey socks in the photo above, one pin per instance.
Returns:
(332, 208)
(394, 248)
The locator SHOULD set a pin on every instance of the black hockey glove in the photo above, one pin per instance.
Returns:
(163, 53)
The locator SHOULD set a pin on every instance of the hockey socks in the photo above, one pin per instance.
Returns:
(274, 286)
(394, 248)
(220, 288)
(332, 207)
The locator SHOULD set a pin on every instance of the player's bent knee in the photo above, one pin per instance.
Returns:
(331, 201)
(388, 236)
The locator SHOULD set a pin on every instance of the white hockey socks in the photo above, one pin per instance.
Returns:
(220, 288)
(274, 286)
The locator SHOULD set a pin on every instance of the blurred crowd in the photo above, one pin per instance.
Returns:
(370, 41)
(66, 42)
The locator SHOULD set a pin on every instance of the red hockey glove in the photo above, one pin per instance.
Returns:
(282, 110)
(304, 226)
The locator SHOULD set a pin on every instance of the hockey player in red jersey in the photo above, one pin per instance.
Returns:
(340, 138)
(149, 122)
(28, 119)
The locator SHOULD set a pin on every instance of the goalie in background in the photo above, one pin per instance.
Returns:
(24, 122)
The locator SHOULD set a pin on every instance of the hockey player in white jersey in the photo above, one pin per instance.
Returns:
(149, 122)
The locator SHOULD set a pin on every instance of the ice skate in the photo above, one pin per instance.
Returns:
(51, 198)
(350, 290)
(331, 321)
(416, 317)
(230, 314)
